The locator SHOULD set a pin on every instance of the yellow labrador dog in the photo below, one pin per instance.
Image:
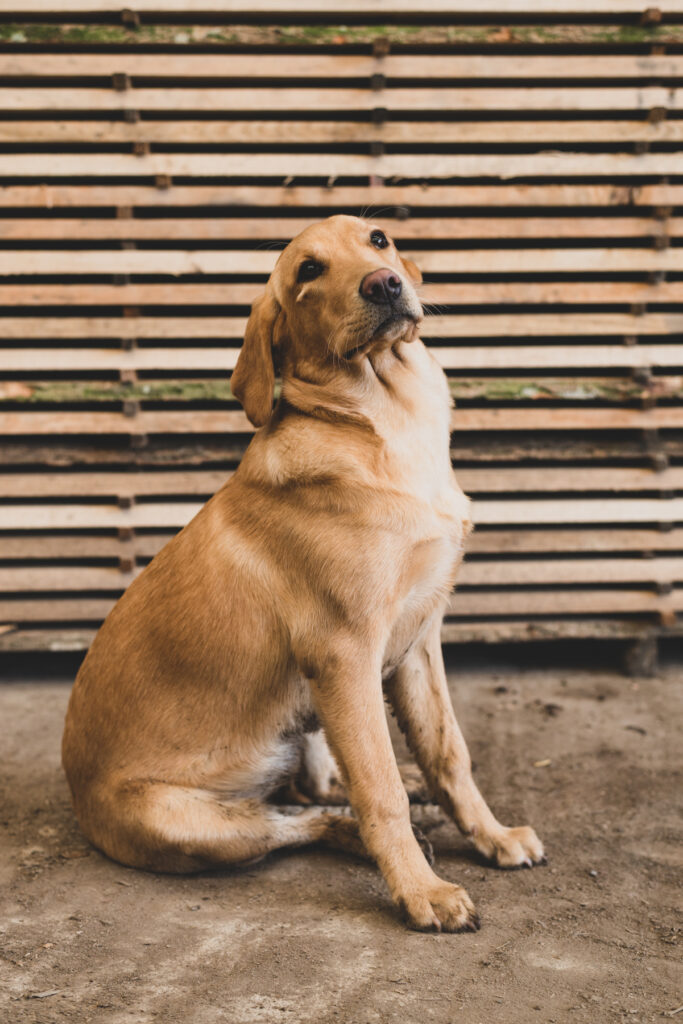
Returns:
(308, 588)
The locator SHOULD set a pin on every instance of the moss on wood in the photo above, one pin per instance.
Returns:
(336, 35)
(497, 389)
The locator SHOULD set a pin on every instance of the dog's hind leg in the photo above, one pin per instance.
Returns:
(319, 779)
(168, 828)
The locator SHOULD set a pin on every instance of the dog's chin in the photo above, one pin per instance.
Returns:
(389, 332)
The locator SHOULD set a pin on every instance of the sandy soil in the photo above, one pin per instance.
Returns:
(312, 937)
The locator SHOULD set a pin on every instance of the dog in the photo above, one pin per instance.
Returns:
(311, 587)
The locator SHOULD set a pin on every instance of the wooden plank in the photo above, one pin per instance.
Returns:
(35, 393)
(577, 511)
(53, 640)
(79, 546)
(175, 65)
(514, 631)
(527, 357)
(112, 484)
(222, 228)
(208, 261)
(505, 480)
(410, 132)
(486, 512)
(549, 572)
(468, 604)
(472, 359)
(79, 609)
(448, 293)
(483, 325)
(67, 638)
(333, 197)
(465, 604)
(195, 422)
(63, 578)
(333, 165)
(511, 8)
(550, 324)
(292, 99)
(594, 539)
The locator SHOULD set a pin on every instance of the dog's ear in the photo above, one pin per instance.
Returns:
(412, 270)
(254, 375)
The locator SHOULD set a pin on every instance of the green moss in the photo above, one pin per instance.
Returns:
(20, 33)
(496, 389)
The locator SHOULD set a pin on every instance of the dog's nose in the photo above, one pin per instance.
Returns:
(381, 287)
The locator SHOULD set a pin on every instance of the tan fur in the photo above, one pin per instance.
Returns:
(311, 582)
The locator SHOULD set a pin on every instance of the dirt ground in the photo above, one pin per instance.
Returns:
(311, 936)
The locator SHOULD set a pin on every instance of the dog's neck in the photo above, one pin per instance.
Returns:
(354, 391)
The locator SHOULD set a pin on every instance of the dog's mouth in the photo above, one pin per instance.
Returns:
(393, 328)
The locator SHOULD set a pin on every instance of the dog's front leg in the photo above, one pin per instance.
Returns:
(418, 692)
(348, 695)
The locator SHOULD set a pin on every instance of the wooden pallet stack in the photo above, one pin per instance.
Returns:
(527, 155)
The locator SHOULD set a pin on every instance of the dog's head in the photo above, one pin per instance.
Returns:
(338, 290)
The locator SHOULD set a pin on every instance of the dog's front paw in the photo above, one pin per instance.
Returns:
(512, 847)
(440, 907)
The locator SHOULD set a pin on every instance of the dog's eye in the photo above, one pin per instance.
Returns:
(379, 240)
(309, 270)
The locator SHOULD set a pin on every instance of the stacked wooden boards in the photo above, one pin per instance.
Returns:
(153, 161)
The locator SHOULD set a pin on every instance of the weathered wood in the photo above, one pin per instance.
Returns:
(66, 638)
(179, 37)
(473, 359)
(207, 261)
(263, 98)
(558, 390)
(222, 228)
(352, 7)
(555, 571)
(448, 326)
(113, 485)
(497, 36)
(595, 539)
(550, 572)
(230, 421)
(332, 165)
(541, 630)
(226, 294)
(486, 512)
(52, 195)
(176, 262)
(79, 546)
(525, 357)
(466, 604)
(361, 131)
(176, 65)
(505, 480)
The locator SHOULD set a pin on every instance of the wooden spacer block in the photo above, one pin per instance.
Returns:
(120, 81)
(131, 19)
(651, 16)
